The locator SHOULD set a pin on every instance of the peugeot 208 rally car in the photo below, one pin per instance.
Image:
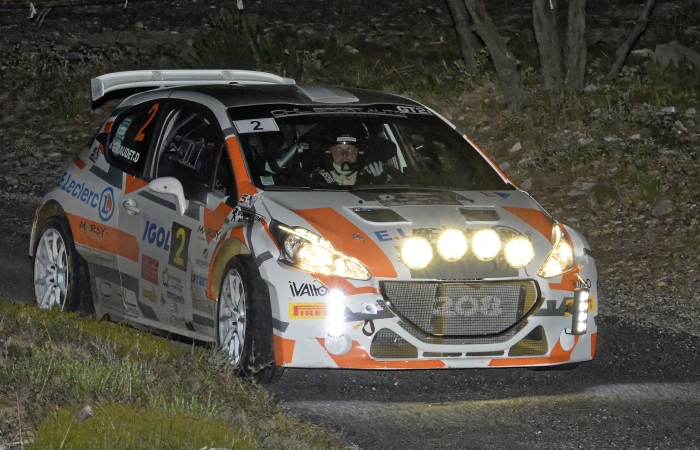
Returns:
(309, 226)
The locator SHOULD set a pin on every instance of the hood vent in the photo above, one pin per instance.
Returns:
(379, 215)
(480, 215)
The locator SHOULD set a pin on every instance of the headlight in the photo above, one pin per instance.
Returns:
(310, 252)
(560, 258)
(416, 252)
(519, 252)
(486, 244)
(452, 245)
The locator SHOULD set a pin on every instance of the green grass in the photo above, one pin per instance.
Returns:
(135, 427)
(50, 360)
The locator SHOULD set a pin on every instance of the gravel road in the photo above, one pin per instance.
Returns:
(641, 391)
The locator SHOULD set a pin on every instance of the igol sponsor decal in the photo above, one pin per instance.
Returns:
(153, 233)
(103, 202)
(149, 269)
(307, 310)
(307, 289)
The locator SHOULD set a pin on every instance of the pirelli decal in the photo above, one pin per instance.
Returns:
(316, 310)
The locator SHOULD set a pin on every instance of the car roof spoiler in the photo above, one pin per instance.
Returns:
(166, 78)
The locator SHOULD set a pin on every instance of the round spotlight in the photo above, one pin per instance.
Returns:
(519, 252)
(416, 252)
(486, 244)
(452, 245)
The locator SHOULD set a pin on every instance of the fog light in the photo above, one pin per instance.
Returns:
(579, 314)
(452, 245)
(336, 313)
(486, 244)
(338, 345)
(416, 253)
(519, 252)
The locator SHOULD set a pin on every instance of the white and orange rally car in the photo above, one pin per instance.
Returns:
(309, 226)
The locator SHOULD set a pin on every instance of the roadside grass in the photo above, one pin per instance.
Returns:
(135, 427)
(145, 391)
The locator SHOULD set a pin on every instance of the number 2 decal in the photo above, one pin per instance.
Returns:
(152, 113)
(258, 125)
(180, 245)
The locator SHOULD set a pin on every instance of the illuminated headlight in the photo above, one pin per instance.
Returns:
(336, 313)
(560, 258)
(452, 245)
(416, 252)
(519, 252)
(310, 252)
(486, 244)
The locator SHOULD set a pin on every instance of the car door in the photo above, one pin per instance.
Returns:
(176, 246)
(128, 150)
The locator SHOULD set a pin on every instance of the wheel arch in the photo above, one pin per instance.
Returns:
(45, 212)
(230, 248)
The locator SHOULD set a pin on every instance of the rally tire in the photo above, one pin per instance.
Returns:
(61, 276)
(244, 322)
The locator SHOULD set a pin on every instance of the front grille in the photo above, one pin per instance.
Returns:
(386, 345)
(534, 344)
(443, 312)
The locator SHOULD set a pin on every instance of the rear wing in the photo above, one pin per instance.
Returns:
(166, 78)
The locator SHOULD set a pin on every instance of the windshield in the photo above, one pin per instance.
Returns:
(358, 148)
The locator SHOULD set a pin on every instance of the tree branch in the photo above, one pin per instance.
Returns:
(624, 50)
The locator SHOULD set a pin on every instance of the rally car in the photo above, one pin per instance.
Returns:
(299, 225)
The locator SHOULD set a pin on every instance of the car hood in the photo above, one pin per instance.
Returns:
(371, 225)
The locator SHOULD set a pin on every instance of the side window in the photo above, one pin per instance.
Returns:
(128, 149)
(189, 151)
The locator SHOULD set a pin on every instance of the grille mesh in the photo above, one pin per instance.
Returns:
(535, 343)
(452, 311)
(386, 345)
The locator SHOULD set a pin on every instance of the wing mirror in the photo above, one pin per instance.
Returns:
(170, 185)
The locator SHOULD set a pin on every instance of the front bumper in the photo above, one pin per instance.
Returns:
(371, 334)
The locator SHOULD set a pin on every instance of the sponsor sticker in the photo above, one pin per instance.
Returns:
(155, 234)
(307, 310)
(171, 281)
(307, 289)
(149, 269)
(176, 298)
(94, 229)
(198, 280)
(151, 295)
(103, 202)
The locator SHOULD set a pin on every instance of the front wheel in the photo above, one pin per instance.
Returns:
(61, 276)
(244, 329)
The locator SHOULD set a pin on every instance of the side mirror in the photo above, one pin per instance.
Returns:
(170, 185)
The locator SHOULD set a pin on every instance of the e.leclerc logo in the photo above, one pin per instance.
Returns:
(106, 208)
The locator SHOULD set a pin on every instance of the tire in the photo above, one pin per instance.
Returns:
(61, 276)
(244, 322)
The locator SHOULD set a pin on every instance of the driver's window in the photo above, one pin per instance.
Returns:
(189, 150)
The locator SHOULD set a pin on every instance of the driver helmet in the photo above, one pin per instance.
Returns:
(347, 134)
